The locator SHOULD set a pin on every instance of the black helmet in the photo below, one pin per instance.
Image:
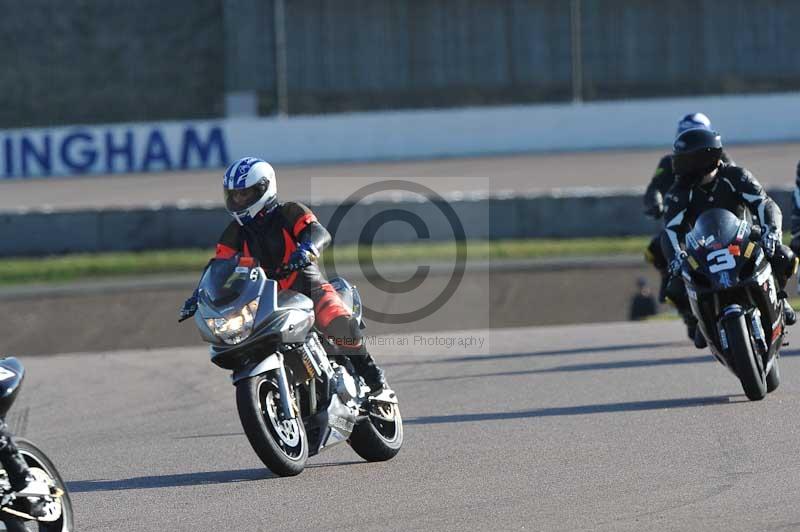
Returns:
(696, 153)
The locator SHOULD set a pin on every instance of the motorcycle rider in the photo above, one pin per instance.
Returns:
(278, 234)
(704, 182)
(795, 243)
(660, 183)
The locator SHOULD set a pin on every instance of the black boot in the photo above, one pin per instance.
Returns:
(699, 339)
(789, 315)
(691, 326)
(365, 366)
(784, 264)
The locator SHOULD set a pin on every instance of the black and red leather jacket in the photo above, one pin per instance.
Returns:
(272, 237)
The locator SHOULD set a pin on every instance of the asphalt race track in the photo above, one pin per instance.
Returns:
(773, 164)
(593, 427)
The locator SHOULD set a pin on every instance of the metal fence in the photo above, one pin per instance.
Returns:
(635, 48)
(362, 54)
(92, 61)
(114, 60)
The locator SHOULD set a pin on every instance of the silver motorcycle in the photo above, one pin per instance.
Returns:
(296, 395)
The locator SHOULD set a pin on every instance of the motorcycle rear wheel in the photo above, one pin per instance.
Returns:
(375, 439)
(748, 365)
(281, 445)
(39, 462)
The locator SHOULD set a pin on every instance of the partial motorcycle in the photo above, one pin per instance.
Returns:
(53, 495)
(295, 394)
(733, 295)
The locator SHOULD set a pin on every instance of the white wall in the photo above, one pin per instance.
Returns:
(389, 135)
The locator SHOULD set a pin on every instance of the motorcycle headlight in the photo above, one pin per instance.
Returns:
(236, 327)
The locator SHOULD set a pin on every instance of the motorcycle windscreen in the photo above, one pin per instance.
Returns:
(718, 257)
(715, 228)
(229, 283)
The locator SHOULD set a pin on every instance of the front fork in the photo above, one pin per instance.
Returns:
(754, 328)
(286, 412)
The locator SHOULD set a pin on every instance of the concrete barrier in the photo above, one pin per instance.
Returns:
(558, 214)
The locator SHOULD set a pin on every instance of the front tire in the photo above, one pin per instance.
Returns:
(60, 510)
(281, 445)
(748, 366)
(376, 438)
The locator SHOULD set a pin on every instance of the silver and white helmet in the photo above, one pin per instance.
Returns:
(693, 121)
(249, 187)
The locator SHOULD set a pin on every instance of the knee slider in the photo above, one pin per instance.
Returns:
(344, 332)
(676, 291)
(785, 260)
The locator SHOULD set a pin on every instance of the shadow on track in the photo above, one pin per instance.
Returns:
(218, 435)
(592, 366)
(632, 406)
(554, 352)
(184, 479)
(170, 481)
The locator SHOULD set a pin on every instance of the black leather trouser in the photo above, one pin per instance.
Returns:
(655, 256)
(12, 460)
(337, 324)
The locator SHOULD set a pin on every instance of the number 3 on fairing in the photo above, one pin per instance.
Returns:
(722, 260)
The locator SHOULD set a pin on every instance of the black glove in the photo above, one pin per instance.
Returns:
(770, 239)
(795, 244)
(655, 209)
(304, 255)
(676, 264)
(188, 309)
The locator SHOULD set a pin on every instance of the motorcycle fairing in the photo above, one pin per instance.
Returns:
(281, 317)
(726, 269)
(331, 425)
(12, 374)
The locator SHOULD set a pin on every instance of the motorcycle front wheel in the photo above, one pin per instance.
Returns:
(281, 444)
(58, 511)
(748, 365)
(773, 377)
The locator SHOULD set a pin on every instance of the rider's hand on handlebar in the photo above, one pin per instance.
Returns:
(770, 239)
(188, 309)
(655, 210)
(795, 244)
(676, 265)
(304, 255)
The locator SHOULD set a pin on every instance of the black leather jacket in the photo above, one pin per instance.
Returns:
(662, 181)
(734, 188)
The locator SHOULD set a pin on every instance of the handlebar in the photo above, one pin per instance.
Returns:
(285, 270)
(281, 272)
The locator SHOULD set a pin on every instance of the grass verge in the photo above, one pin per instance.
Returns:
(88, 266)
